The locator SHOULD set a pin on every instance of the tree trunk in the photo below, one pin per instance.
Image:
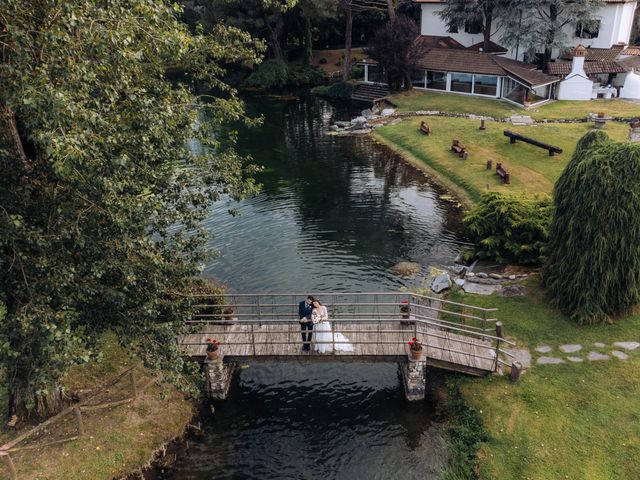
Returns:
(346, 66)
(308, 41)
(551, 35)
(275, 30)
(488, 21)
(391, 10)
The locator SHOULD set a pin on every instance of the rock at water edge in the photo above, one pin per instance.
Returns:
(405, 269)
(441, 283)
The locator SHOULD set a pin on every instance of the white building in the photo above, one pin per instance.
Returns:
(615, 22)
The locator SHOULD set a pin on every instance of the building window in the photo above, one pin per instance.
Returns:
(588, 29)
(485, 85)
(437, 80)
(514, 91)
(462, 82)
(452, 27)
(417, 78)
(473, 27)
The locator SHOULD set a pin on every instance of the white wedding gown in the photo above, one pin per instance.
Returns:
(322, 333)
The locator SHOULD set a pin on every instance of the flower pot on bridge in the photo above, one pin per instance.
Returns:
(415, 349)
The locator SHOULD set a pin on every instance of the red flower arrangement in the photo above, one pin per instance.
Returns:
(415, 345)
(212, 345)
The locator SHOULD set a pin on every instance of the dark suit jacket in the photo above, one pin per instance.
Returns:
(304, 310)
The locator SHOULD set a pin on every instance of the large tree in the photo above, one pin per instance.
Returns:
(539, 26)
(593, 255)
(351, 8)
(458, 13)
(396, 49)
(101, 190)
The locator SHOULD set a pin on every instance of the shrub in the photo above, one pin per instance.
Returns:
(341, 90)
(593, 268)
(269, 74)
(304, 75)
(277, 74)
(509, 229)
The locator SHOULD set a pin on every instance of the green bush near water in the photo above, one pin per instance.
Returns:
(277, 74)
(341, 90)
(593, 268)
(466, 434)
(509, 229)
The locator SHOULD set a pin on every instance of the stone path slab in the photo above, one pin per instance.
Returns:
(544, 349)
(599, 345)
(570, 348)
(575, 359)
(480, 289)
(627, 345)
(522, 120)
(619, 354)
(594, 356)
(549, 360)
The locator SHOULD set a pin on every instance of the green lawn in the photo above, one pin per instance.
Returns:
(448, 102)
(118, 440)
(532, 170)
(575, 420)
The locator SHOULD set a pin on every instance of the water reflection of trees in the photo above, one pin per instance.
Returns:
(347, 189)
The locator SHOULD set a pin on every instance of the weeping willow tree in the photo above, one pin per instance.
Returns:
(593, 268)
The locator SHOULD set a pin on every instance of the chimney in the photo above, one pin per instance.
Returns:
(577, 66)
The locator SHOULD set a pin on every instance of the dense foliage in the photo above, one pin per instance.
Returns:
(533, 27)
(101, 194)
(593, 267)
(396, 50)
(277, 74)
(465, 433)
(509, 229)
(341, 90)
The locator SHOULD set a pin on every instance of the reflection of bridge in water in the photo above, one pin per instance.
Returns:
(456, 337)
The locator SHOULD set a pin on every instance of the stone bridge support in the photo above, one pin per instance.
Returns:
(414, 379)
(218, 378)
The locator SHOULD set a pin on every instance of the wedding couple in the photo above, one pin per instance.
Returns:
(314, 315)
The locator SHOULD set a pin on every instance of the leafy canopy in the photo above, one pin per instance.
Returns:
(593, 269)
(101, 194)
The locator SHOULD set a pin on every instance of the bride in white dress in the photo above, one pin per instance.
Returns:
(322, 331)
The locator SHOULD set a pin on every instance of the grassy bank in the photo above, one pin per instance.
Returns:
(573, 420)
(532, 170)
(118, 440)
(447, 102)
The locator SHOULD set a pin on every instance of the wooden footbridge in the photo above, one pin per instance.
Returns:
(455, 336)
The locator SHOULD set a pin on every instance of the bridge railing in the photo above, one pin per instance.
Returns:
(343, 305)
(380, 322)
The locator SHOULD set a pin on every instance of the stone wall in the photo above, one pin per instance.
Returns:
(414, 379)
(218, 378)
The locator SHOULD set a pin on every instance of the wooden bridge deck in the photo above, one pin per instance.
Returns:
(372, 341)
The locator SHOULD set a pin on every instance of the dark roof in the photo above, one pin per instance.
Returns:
(434, 41)
(525, 72)
(632, 63)
(493, 47)
(632, 50)
(469, 61)
(596, 54)
(590, 68)
(465, 61)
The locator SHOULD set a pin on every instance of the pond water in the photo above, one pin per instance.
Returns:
(334, 215)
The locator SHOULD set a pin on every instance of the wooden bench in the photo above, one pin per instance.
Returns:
(459, 148)
(424, 128)
(502, 173)
(516, 136)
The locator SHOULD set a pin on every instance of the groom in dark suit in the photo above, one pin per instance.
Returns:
(306, 325)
